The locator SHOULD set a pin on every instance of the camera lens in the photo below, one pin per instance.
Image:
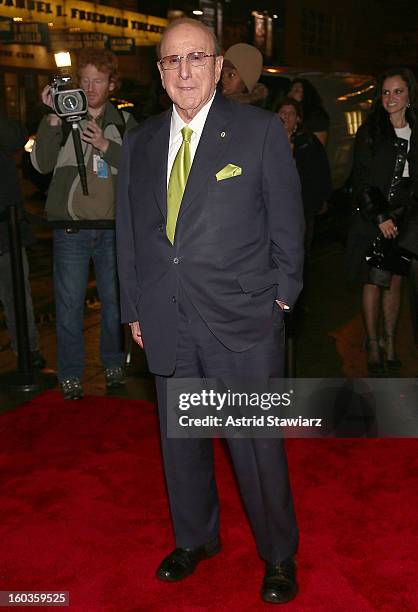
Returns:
(69, 102)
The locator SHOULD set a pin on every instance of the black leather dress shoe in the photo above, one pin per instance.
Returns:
(183, 561)
(279, 584)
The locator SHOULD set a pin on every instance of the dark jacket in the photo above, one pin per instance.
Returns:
(50, 153)
(239, 236)
(313, 167)
(379, 191)
(378, 165)
(317, 120)
(13, 137)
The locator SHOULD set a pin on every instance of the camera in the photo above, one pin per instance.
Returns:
(69, 103)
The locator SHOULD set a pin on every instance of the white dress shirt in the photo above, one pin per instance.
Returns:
(177, 124)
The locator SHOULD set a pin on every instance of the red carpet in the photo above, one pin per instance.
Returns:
(83, 509)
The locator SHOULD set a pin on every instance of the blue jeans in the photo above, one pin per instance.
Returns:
(72, 254)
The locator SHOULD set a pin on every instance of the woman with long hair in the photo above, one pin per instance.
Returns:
(315, 117)
(382, 189)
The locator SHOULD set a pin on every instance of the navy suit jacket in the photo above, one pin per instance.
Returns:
(238, 243)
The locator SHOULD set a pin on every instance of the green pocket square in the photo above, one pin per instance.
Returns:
(228, 172)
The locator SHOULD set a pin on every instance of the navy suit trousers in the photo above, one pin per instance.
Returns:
(260, 464)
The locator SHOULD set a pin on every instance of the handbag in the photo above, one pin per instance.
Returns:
(386, 254)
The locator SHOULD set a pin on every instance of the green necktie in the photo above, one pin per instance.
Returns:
(177, 183)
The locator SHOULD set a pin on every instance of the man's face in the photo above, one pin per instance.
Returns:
(96, 84)
(190, 87)
(231, 80)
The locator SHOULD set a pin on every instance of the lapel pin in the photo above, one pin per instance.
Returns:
(223, 134)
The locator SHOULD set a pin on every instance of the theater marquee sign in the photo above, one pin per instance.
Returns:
(88, 17)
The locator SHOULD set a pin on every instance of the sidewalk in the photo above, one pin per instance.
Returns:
(331, 342)
(140, 383)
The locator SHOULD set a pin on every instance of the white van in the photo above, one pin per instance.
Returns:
(346, 97)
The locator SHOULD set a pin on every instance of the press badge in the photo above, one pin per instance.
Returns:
(100, 167)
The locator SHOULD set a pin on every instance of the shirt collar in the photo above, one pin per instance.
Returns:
(196, 124)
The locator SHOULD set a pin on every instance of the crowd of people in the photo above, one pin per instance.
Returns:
(382, 181)
(203, 262)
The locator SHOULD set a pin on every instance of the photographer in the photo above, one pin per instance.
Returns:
(13, 137)
(101, 135)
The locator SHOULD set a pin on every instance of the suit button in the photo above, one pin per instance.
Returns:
(174, 299)
(160, 228)
(176, 260)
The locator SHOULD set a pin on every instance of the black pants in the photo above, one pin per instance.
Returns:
(260, 464)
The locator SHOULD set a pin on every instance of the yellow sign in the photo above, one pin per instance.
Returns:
(79, 16)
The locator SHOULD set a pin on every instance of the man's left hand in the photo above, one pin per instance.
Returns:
(93, 134)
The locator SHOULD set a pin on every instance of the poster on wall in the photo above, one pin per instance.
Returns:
(263, 33)
(121, 45)
(208, 7)
(6, 30)
(63, 39)
(23, 33)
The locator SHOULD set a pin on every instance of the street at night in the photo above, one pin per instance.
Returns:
(209, 305)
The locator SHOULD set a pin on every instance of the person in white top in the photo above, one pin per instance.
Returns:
(383, 190)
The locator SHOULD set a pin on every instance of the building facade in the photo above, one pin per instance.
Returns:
(32, 31)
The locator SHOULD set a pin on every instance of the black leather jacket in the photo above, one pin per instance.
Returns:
(380, 190)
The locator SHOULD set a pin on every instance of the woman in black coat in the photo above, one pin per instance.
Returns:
(383, 191)
(311, 161)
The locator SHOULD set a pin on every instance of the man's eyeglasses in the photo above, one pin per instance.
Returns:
(196, 58)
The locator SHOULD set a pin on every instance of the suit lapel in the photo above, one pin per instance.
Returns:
(213, 143)
(158, 153)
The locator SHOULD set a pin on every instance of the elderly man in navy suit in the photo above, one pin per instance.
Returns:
(210, 248)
